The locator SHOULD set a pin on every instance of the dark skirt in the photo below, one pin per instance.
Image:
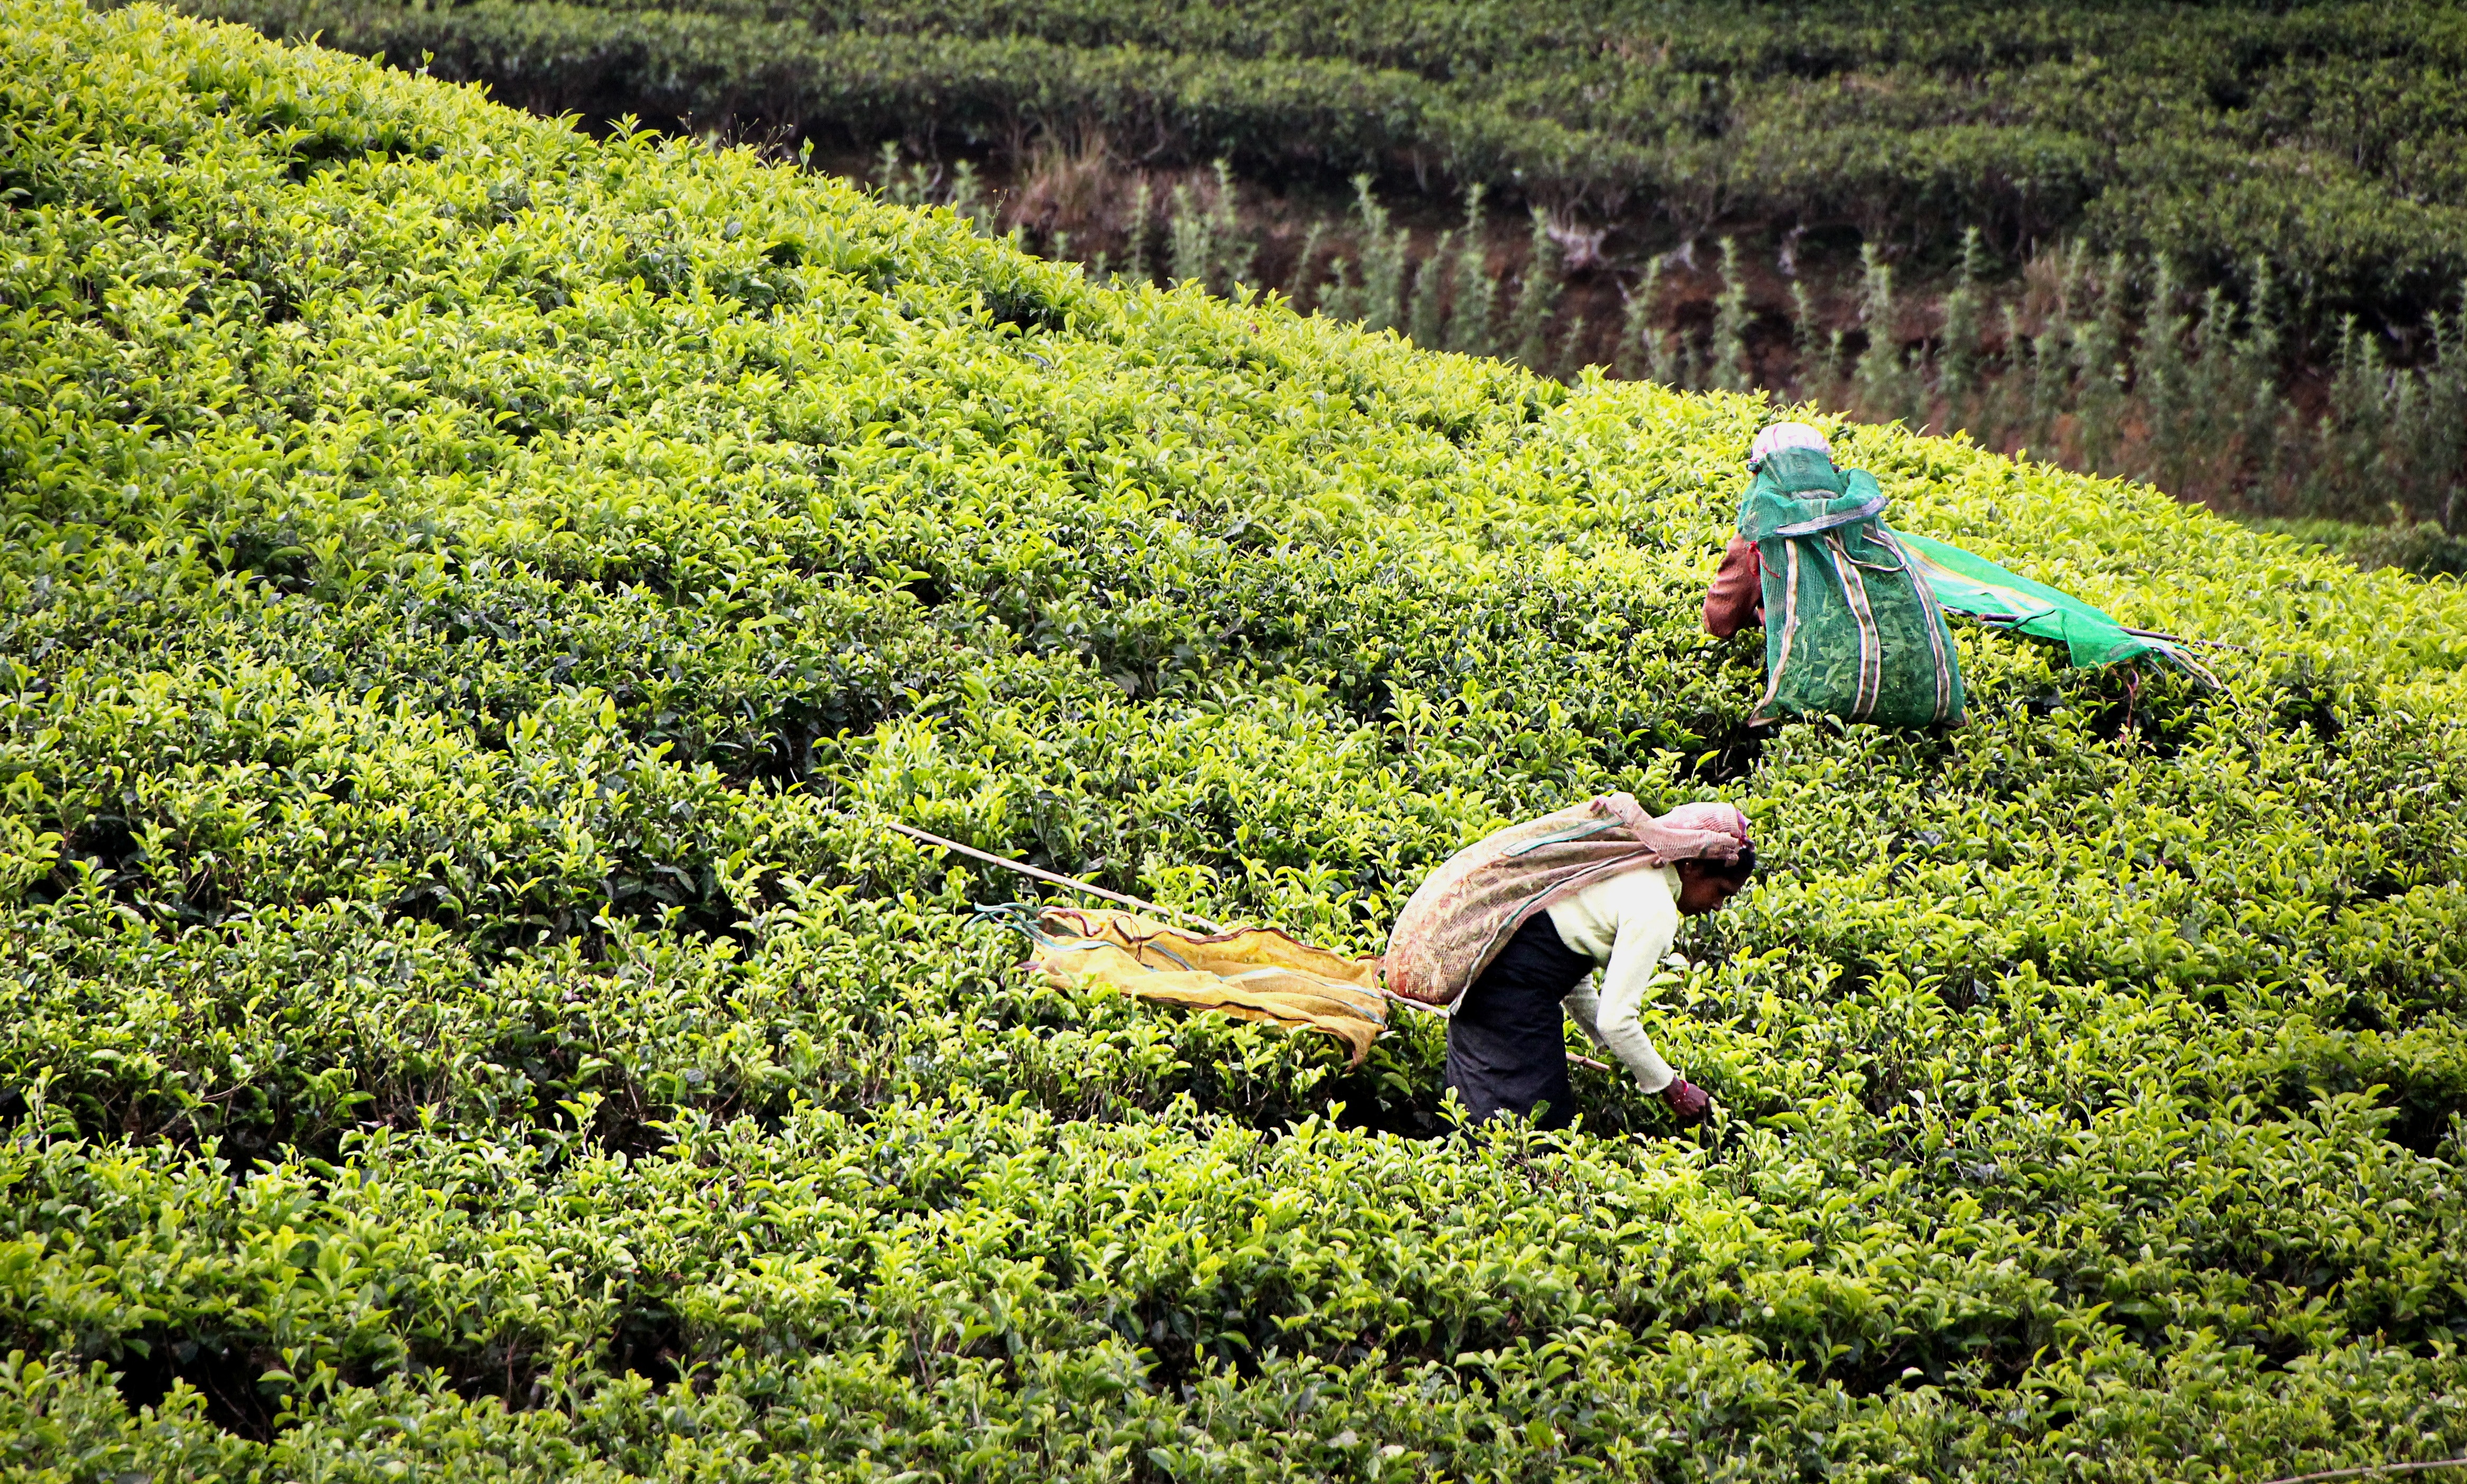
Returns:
(1507, 1052)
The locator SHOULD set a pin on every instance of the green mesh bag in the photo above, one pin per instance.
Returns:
(1851, 630)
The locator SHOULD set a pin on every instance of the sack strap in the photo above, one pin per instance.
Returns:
(1869, 510)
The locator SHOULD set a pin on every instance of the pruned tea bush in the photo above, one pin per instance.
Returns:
(2319, 139)
(471, 593)
(2216, 247)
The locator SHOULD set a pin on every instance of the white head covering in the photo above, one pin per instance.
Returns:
(1787, 435)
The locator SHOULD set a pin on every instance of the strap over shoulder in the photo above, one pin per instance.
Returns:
(1799, 493)
(1464, 912)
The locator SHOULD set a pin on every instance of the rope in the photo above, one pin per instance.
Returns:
(1059, 880)
(2376, 1471)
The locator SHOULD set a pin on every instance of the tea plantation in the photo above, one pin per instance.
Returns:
(471, 594)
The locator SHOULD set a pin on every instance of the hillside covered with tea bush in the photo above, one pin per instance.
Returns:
(471, 594)
(2216, 246)
(2320, 138)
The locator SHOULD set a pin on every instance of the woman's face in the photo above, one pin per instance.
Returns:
(1701, 892)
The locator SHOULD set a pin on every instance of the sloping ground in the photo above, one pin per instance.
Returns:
(2319, 139)
(471, 593)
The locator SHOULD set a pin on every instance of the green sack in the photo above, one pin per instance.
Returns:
(1850, 628)
(1966, 582)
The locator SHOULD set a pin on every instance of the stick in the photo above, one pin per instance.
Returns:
(1072, 881)
(2187, 660)
(2170, 639)
(2179, 638)
(2377, 1468)
(1077, 884)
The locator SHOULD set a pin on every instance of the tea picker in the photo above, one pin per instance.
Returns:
(1503, 938)
(1854, 611)
(1508, 931)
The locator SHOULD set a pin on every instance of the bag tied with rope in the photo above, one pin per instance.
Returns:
(1852, 628)
(1463, 915)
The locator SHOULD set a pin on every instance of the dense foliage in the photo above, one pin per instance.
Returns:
(2324, 139)
(2425, 550)
(471, 594)
(2254, 208)
(2114, 366)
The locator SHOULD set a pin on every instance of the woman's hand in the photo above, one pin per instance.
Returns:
(1687, 1102)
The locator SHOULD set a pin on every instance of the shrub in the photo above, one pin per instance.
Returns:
(2319, 139)
(2308, 276)
(2423, 549)
(471, 593)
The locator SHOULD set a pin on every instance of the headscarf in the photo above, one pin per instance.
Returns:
(1787, 435)
(1722, 829)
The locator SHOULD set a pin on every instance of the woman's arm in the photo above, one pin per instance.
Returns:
(1736, 599)
(1648, 920)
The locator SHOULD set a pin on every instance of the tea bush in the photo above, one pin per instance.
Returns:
(472, 594)
(1967, 217)
(2423, 549)
(2322, 139)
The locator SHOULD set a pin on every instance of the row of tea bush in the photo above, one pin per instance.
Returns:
(472, 595)
(2108, 366)
(2323, 139)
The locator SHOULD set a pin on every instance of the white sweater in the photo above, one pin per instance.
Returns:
(1625, 924)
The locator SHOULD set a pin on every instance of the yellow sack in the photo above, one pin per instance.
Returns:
(1253, 974)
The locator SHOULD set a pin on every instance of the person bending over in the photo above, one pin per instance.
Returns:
(1506, 1053)
(1507, 934)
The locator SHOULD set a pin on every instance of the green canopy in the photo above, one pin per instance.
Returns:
(1974, 585)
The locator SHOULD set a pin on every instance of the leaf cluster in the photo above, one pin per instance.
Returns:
(471, 592)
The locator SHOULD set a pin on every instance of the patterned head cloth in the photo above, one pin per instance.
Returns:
(1787, 435)
(1716, 819)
